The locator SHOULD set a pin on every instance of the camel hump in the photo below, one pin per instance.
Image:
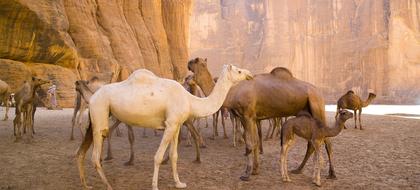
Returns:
(142, 76)
(281, 72)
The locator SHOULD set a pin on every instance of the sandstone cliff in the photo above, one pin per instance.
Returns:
(364, 45)
(66, 40)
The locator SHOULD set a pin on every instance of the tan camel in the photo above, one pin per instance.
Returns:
(5, 93)
(149, 101)
(353, 102)
(81, 105)
(266, 97)
(314, 131)
(25, 98)
(83, 88)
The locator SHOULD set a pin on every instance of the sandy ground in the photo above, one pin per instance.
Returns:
(386, 155)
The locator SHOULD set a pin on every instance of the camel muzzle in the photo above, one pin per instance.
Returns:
(249, 77)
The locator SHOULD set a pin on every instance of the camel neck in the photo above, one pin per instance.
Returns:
(86, 93)
(368, 101)
(334, 131)
(202, 107)
(206, 83)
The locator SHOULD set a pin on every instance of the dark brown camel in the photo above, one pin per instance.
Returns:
(353, 102)
(25, 98)
(270, 95)
(315, 132)
(5, 93)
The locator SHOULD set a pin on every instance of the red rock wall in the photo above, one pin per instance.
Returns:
(66, 40)
(364, 45)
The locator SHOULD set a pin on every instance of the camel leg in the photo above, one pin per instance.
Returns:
(360, 116)
(232, 120)
(309, 151)
(131, 140)
(251, 141)
(328, 147)
(222, 113)
(196, 138)
(215, 121)
(79, 118)
(6, 104)
(260, 137)
(33, 119)
(173, 154)
(111, 130)
(98, 139)
(283, 157)
(17, 122)
(29, 123)
(81, 153)
(355, 119)
(270, 127)
(144, 133)
(118, 132)
(73, 119)
(168, 136)
(317, 163)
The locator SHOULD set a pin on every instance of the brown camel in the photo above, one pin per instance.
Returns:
(25, 98)
(315, 132)
(5, 93)
(270, 95)
(353, 102)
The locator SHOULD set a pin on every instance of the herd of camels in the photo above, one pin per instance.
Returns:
(145, 100)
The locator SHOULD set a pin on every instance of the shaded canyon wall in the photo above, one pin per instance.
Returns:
(67, 40)
(364, 45)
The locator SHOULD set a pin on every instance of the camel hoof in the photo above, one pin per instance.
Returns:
(180, 185)
(317, 183)
(129, 163)
(88, 187)
(226, 137)
(255, 172)
(332, 176)
(203, 146)
(211, 138)
(197, 161)
(71, 138)
(285, 179)
(297, 171)
(188, 145)
(109, 158)
(261, 152)
(245, 178)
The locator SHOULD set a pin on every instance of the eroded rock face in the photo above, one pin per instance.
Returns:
(337, 45)
(66, 40)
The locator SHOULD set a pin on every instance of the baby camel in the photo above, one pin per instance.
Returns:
(315, 132)
(152, 102)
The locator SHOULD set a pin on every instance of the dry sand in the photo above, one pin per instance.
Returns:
(386, 155)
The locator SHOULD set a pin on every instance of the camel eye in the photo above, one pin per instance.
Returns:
(239, 72)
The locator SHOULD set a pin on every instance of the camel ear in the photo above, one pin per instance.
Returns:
(229, 67)
(33, 78)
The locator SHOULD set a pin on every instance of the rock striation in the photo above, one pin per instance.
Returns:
(67, 40)
(364, 45)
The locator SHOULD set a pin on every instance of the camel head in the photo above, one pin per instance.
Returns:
(344, 115)
(372, 95)
(82, 85)
(38, 82)
(236, 74)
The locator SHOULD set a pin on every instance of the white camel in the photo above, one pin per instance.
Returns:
(152, 102)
